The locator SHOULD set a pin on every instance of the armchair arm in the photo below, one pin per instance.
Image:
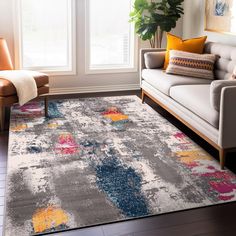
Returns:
(227, 129)
(142, 59)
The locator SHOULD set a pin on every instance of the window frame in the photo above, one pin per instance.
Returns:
(133, 44)
(71, 69)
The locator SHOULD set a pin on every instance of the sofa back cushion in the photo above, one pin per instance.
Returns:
(225, 61)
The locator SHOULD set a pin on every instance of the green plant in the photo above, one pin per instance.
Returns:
(153, 17)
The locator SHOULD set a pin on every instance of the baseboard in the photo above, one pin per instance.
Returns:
(94, 89)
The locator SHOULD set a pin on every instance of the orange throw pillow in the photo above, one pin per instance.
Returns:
(195, 45)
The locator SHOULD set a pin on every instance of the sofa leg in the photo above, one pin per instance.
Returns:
(2, 117)
(222, 158)
(46, 106)
(143, 96)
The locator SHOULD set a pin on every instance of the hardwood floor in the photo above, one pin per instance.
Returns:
(3, 171)
(208, 221)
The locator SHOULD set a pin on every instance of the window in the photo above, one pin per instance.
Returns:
(45, 35)
(110, 37)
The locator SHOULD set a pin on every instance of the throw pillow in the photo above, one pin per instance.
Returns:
(191, 64)
(195, 45)
(154, 59)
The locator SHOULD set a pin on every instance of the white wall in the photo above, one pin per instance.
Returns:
(80, 82)
(193, 23)
(6, 24)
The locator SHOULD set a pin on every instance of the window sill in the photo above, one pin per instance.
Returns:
(111, 71)
(58, 73)
(53, 72)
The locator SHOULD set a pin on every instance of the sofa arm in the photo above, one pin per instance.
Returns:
(227, 128)
(216, 89)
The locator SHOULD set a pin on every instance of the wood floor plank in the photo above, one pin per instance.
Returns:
(224, 232)
(172, 219)
(94, 231)
(3, 142)
(193, 229)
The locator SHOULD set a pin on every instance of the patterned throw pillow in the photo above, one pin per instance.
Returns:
(191, 64)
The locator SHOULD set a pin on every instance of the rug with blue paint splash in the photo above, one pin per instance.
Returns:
(100, 160)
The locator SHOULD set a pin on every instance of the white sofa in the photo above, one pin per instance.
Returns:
(205, 106)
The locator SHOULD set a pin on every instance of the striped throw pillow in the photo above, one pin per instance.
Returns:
(191, 64)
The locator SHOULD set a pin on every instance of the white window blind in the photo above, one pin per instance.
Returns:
(110, 39)
(46, 34)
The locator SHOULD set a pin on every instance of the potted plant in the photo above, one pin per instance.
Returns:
(154, 17)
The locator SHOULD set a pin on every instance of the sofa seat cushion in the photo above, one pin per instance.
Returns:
(163, 82)
(8, 89)
(196, 98)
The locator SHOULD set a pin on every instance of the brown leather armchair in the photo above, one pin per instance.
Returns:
(8, 95)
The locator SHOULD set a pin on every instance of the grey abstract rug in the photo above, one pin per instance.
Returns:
(100, 160)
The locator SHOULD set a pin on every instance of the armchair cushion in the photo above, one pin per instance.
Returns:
(154, 60)
(8, 89)
(215, 91)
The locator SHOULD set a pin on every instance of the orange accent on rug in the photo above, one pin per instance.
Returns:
(47, 218)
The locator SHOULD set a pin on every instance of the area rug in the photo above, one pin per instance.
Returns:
(101, 160)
